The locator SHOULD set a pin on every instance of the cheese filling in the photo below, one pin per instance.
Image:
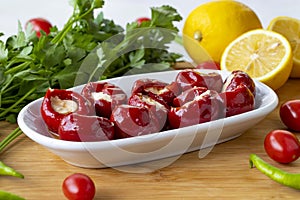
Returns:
(63, 106)
(100, 96)
(155, 90)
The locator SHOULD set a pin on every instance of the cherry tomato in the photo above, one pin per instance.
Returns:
(282, 146)
(142, 19)
(290, 114)
(40, 24)
(78, 186)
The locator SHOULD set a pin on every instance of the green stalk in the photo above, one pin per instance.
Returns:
(11, 88)
(17, 68)
(17, 102)
(60, 36)
(13, 135)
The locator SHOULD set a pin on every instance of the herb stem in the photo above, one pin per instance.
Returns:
(60, 36)
(13, 135)
(17, 102)
(120, 70)
(17, 68)
(11, 88)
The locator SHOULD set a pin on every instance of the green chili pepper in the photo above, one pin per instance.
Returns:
(288, 179)
(8, 171)
(9, 196)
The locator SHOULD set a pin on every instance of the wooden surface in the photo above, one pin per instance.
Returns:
(223, 174)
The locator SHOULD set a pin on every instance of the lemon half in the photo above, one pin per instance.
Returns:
(265, 55)
(290, 28)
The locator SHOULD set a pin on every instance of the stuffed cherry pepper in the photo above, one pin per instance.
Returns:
(238, 100)
(156, 89)
(104, 97)
(84, 128)
(189, 78)
(158, 108)
(203, 108)
(58, 103)
(237, 78)
(188, 95)
(131, 121)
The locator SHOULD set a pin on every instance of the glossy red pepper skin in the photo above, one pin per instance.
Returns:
(237, 78)
(51, 117)
(83, 128)
(158, 109)
(142, 85)
(238, 100)
(188, 95)
(131, 121)
(190, 78)
(156, 89)
(104, 105)
(203, 108)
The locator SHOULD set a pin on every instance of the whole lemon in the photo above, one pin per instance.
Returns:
(210, 27)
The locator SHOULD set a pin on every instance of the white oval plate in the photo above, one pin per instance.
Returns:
(171, 143)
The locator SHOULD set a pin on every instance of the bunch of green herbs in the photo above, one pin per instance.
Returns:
(30, 65)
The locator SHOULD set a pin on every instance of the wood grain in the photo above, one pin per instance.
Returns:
(223, 174)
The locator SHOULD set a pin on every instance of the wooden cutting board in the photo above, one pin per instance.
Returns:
(223, 174)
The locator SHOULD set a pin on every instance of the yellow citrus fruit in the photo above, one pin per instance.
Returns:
(290, 28)
(265, 55)
(210, 27)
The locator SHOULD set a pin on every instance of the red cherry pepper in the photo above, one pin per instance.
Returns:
(158, 90)
(203, 108)
(142, 85)
(190, 78)
(188, 95)
(104, 96)
(238, 101)
(237, 78)
(133, 121)
(83, 128)
(158, 109)
(58, 103)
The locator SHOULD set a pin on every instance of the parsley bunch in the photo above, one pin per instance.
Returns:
(30, 65)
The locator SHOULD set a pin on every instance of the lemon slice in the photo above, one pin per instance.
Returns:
(290, 28)
(265, 55)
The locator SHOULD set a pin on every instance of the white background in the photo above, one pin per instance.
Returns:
(123, 11)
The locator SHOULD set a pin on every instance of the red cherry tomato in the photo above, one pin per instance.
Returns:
(40, 24)
(79, 186)
(290, 114)
(282, 146)
(142, 19)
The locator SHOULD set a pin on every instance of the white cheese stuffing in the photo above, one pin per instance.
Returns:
(101, 95)
(155, 90)
(63, 106)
